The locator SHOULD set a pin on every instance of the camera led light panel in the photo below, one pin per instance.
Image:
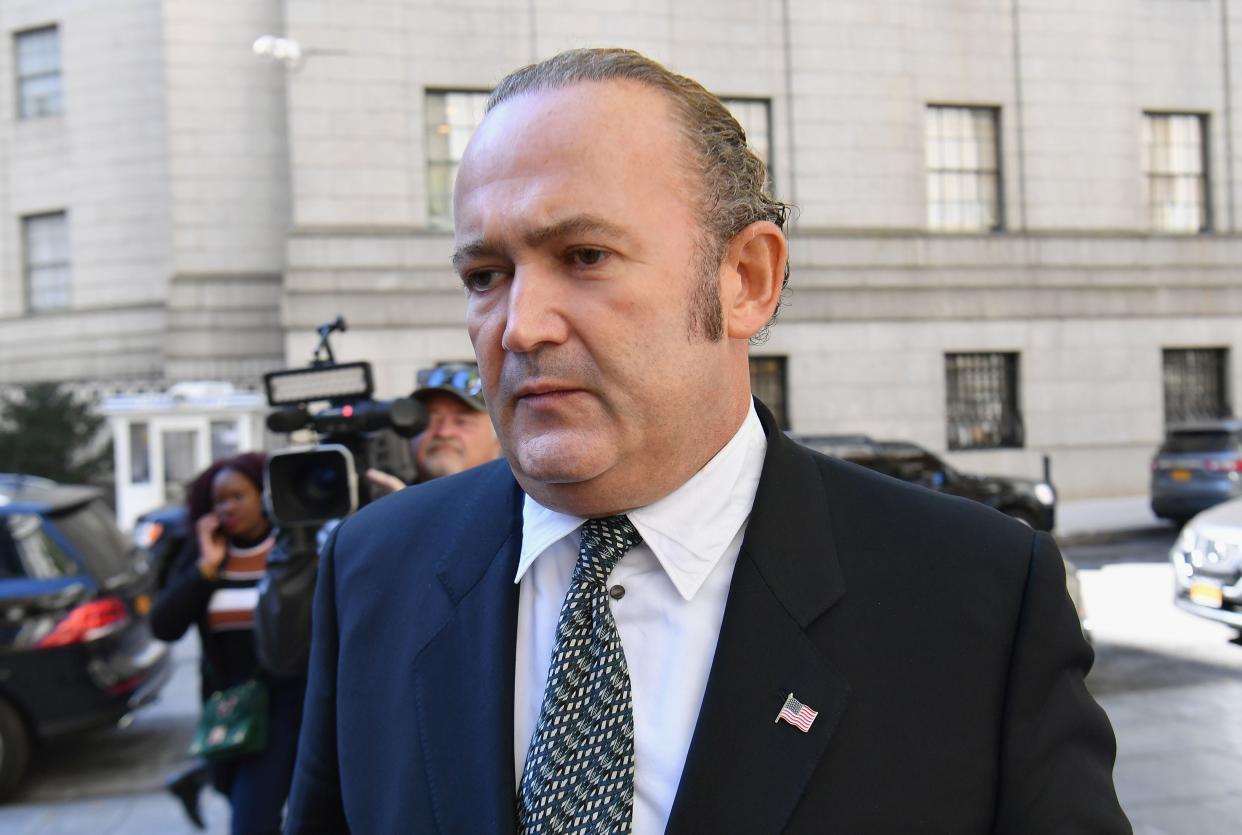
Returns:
(351, 380)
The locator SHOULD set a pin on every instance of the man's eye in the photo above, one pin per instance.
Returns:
(588, 257)
(481, 281)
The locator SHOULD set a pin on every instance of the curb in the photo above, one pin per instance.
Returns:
(1114, 535)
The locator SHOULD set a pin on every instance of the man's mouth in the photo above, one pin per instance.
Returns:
(545, 392)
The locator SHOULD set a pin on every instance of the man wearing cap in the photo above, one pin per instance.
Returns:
(659, 614)
(459, 433)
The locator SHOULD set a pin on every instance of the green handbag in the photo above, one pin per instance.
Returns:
(233, 723)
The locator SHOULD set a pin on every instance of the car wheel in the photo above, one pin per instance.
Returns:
(1021, 515)
(14, 749)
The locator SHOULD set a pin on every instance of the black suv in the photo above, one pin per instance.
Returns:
(75, 648)
(1025, 499)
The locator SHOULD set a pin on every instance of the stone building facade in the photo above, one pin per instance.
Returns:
(1016, 231)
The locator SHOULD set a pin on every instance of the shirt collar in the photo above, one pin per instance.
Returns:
(688, 530)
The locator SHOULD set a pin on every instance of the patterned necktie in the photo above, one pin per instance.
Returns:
(579, 772)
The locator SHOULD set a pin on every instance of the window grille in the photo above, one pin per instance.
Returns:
(1195, 385)
(981, 392)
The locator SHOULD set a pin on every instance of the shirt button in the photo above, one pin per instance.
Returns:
(616, 592)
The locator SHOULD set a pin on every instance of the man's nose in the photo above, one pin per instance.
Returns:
(534, 314)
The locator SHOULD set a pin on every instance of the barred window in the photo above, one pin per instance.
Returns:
(768, 383)
(38, 73)
(981, 393)
(754, 115)
(452, 118)
(1175, 165)
(48, 279)
(1195, 384)
(963, 169)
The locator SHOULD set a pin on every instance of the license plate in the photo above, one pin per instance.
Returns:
(1207, 594)
(1181, 475)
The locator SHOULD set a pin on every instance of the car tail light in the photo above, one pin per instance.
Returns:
(87, 622)
(1217, 466)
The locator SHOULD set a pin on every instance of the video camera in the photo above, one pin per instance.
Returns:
(311, 484)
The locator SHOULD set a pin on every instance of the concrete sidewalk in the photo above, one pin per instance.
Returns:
(1092, 520)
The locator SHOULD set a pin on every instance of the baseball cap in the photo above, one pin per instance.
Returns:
(456, 378)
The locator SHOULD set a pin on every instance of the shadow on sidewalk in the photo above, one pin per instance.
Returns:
(1121, 668)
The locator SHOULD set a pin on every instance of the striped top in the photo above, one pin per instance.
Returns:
(231, 606)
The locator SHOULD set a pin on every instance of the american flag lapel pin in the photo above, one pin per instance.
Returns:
(797, 714)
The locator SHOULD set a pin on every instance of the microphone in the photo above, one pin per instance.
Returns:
(289, 419)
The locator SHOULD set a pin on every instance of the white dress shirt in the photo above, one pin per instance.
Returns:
(676, 581)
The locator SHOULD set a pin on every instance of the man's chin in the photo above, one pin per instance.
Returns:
(546, 459)
(438, 467)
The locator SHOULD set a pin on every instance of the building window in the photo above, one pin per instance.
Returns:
(755, 118)
(38, 73)
(768, 383)
(225, 439)
(981, 395)
(46, 239)
(1196, 384)
(963, 169)
(180, 465)
(1175, 165)
(452, 118)
(139, 453)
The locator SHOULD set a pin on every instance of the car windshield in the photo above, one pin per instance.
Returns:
(26, 550)
(1211, 440)
(95, 537)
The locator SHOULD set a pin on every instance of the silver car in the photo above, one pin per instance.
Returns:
(1207, 562)
(1198, 466)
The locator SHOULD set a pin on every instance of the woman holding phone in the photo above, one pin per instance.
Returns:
(214, 586)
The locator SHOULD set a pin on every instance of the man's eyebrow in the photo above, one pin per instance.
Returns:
(577, 225)
(471, 249)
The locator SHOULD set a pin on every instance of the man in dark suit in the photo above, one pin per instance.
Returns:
(658, 613)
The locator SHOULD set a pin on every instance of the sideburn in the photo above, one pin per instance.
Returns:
(706, 319)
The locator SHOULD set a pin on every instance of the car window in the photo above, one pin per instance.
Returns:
(26, 550)
(1198, 441)
(93, 534)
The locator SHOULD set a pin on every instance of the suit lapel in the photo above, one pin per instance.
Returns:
(744, 772)
(464, 675)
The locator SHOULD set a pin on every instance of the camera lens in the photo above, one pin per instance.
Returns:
(312, 486)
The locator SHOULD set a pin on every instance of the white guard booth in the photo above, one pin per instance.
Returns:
(162, 440)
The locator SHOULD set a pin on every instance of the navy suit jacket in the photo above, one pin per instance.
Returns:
(933, 635)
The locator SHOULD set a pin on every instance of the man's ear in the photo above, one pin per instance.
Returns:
(752, 278)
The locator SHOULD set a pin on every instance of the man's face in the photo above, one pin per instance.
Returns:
(576, 231)
(457, 438)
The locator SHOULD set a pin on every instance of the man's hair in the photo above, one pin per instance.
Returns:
(734, 179)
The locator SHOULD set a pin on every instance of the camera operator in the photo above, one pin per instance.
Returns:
(459, 433)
